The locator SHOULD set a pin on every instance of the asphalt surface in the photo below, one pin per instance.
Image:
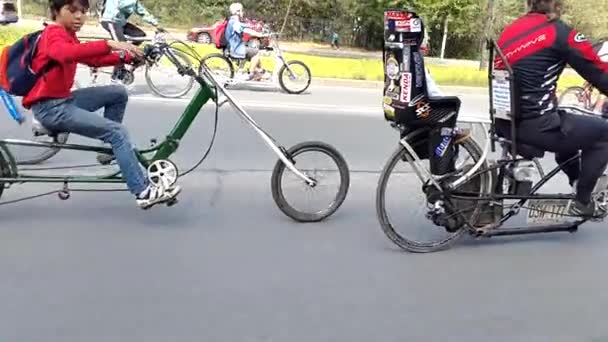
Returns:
(226, 265)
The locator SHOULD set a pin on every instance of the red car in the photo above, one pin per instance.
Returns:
(206, 34)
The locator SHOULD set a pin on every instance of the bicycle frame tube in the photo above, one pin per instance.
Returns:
(171, 143)
(267, 139)
(461, 180)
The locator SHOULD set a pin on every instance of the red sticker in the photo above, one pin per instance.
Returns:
(397, 15)
(406, 87)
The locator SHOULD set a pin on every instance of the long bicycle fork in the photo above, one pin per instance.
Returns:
(278, 150)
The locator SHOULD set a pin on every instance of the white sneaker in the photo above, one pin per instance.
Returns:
(155, 195)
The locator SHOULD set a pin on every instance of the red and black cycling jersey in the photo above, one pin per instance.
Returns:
(538, 50)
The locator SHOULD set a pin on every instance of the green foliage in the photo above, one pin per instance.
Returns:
(359, 22)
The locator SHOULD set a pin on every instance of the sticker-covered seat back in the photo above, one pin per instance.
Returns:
(404, 76)
(406, 98)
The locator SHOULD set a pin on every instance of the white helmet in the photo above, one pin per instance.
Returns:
(236, 7)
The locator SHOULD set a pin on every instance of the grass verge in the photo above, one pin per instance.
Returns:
(346, 68)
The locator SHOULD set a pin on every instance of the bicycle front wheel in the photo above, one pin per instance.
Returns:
(333, 176)
(163, 78)
(295, 79)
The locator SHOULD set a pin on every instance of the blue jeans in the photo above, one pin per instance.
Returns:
(76, 115)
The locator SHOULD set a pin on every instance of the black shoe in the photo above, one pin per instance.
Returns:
(590, 210)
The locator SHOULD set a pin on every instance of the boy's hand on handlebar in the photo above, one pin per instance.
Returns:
(130, 48)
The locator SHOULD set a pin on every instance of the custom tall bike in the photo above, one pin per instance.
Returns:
(447, 174)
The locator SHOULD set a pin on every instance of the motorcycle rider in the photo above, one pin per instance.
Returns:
(538, 46)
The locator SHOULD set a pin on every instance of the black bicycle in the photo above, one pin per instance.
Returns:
(447, 172)
(157, 72)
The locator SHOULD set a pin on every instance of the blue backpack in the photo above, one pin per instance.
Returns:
(16, 75)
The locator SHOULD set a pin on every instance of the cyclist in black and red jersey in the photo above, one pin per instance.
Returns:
(538, 46)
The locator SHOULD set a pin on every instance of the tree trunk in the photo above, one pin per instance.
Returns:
(486, 34)
(445, 36)
(286, 16)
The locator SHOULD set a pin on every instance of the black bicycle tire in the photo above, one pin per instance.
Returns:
(220, 56)
(156, 91)
(48, 153)
(5, 171)
(277, 173)
(382, 215)
(282, 84)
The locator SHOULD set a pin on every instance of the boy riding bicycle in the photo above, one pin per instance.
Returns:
(60, 110)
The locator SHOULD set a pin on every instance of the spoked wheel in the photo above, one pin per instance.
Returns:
(401, 204)
(42, 153)
(30, 155)
(166, 82)
(296, 79)
(204, 38)
(327, 167)
(219, 65)
(5, 171)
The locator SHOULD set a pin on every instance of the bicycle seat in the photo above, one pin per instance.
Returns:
(38, 129)
(444, 101)
(503, 130)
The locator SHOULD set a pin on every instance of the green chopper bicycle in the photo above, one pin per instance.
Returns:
(163, 172)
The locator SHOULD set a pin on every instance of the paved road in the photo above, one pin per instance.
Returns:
(226, 265)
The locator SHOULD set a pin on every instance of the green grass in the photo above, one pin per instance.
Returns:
(348, 68)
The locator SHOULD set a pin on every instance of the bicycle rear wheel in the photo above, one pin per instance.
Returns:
(406, 189)
(43, 153)
(165, 86)
(219, 65)
(338, 171)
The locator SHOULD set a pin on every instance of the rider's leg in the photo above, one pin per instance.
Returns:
(573, 133)
(253, 55)
(112, 98)
(589, 134)
(571, 169)
(65, 116)
(134, 31)
(117, 33)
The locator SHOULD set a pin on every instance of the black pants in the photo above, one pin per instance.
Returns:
(118, 33)
(566, 134)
